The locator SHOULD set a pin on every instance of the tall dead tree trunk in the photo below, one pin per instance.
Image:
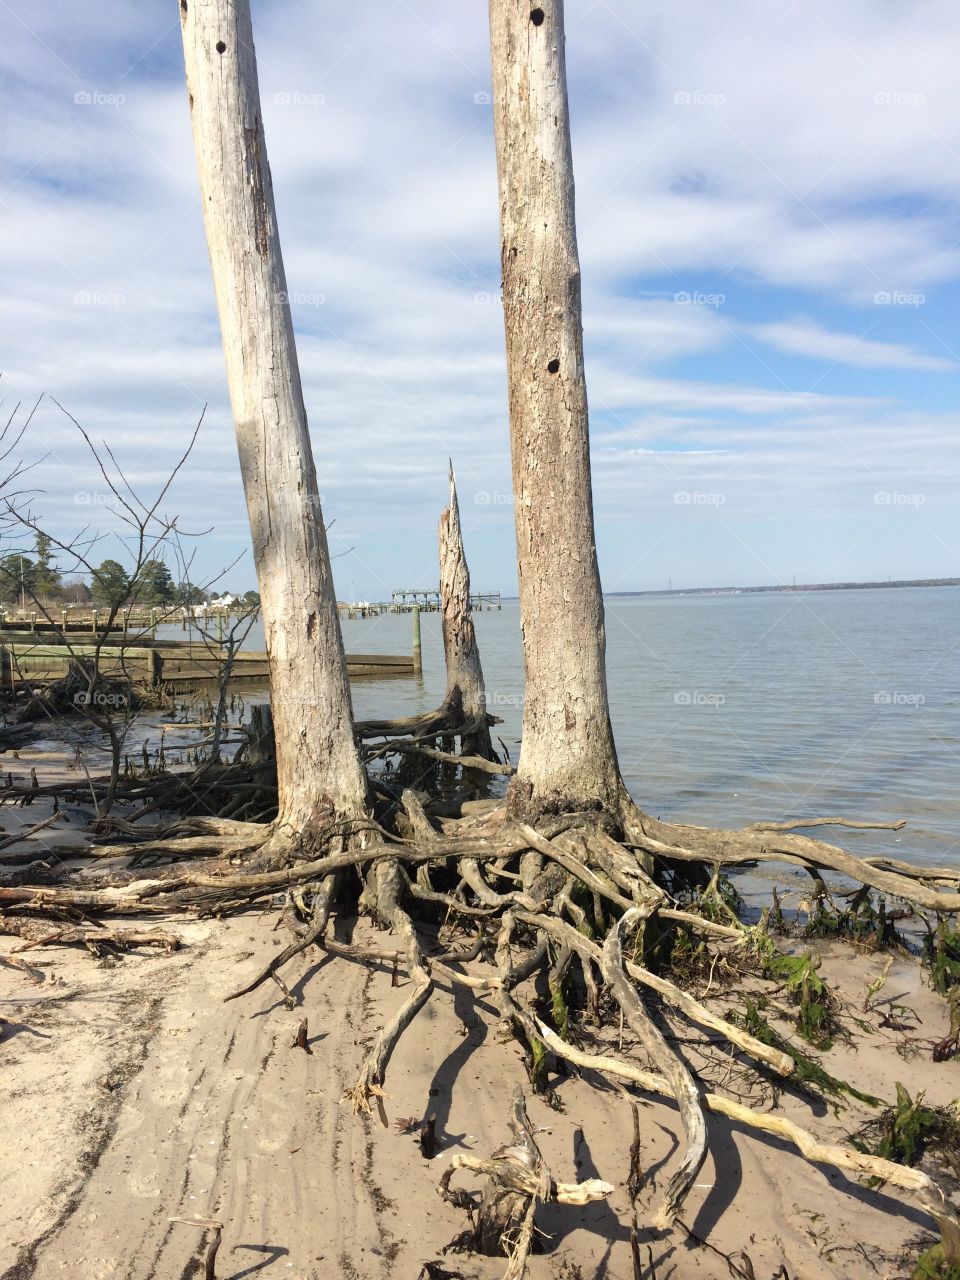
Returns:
(464, 673)
(567, 758)
(318, 768)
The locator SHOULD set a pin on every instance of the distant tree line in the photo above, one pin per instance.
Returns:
(25, 578)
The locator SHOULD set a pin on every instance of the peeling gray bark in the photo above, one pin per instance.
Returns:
(318, 767)
(567, 758)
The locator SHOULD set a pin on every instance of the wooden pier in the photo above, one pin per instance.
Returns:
(406, 599)
(126, 622)
(178, 665)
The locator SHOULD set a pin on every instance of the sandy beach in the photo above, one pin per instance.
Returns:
(133, 1094)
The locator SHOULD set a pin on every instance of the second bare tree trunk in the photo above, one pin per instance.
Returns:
(567, 758)
(318, 768)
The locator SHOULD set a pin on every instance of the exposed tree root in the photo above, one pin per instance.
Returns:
(576, 900)
(388, 889)
(926, 1191)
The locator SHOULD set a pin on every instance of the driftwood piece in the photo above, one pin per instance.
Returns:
(466, 760)
(95, 938)
(517, 1180)
(14, 962)
(16, 837)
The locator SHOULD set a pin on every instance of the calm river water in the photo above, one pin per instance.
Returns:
(728, 709)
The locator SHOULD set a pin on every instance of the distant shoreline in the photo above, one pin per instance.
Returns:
(805, 586)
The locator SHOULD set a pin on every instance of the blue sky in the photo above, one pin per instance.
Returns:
(767, 210)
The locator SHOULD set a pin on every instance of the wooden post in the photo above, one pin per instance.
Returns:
(63, 620)
(220, 627)
(417, 656)
(94, 618)
(153, 623)
(125, 614)
(260, 746)
(155, 667)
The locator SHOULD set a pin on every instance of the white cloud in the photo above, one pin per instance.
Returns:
(798, 196)
(803, 337)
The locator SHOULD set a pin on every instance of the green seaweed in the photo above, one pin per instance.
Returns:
(538, 1064)
(905, 1132)
(934, 1265)
(559, 1011)
(863, 920)
(808, 1074)
(816, 1018)
(941, 951)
